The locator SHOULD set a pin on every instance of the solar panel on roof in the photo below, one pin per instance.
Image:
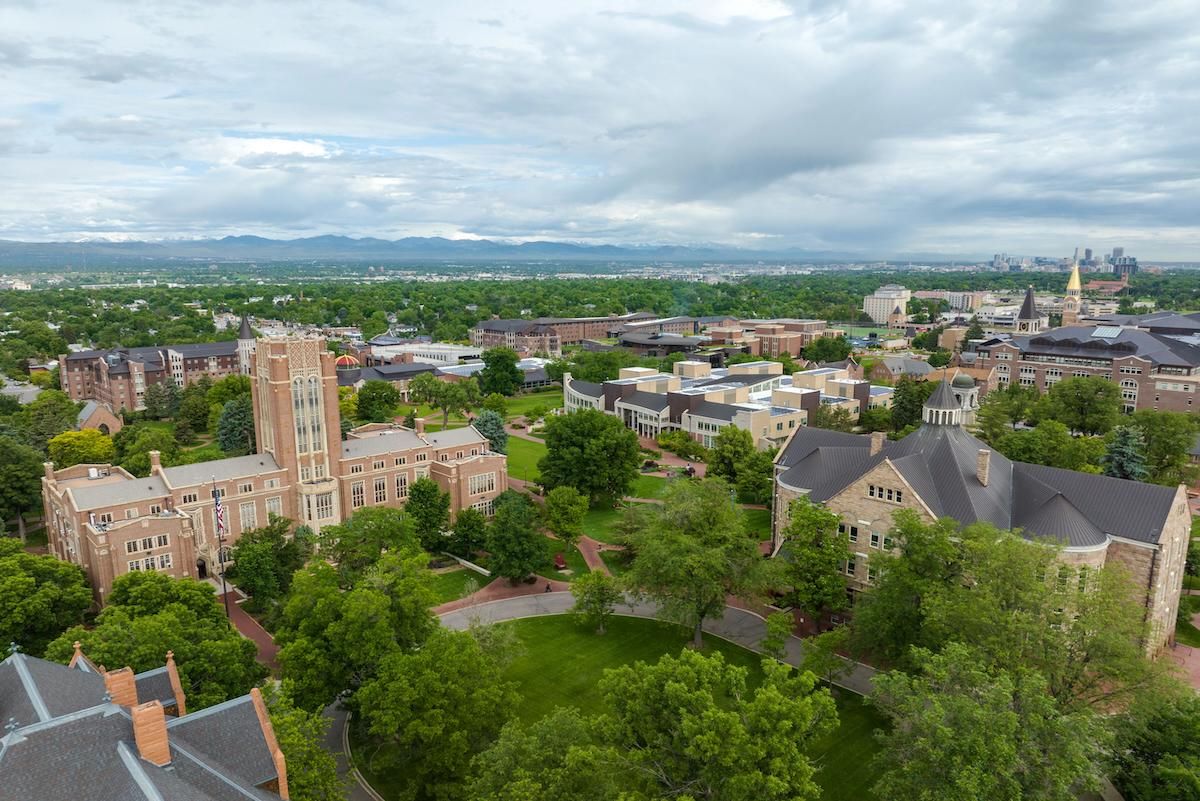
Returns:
(1107, 331)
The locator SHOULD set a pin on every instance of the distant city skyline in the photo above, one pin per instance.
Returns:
(860, 127)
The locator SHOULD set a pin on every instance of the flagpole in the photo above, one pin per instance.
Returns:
(220, 546)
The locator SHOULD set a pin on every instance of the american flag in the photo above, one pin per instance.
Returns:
(219, 514)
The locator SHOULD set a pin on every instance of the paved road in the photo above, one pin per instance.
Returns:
(740, 626)
(334, 745)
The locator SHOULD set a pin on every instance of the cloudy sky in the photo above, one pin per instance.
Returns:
(876, 126)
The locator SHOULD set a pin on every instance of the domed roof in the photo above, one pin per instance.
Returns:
(963, 381)
(345, 362)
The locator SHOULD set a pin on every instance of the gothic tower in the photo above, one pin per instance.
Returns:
(245, 347)
(1072, 300)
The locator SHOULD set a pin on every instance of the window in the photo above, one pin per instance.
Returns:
(485, 507)
(245, 489)
(132, 546)
(189, 497)
(444, 457)
(271, 483)
(885, 494)
(219, 492)
(377, 464)
(875, 539)
(325, 506)
(164, 561)
(249, 516)
(356, 468)
(148, 563)
(888, 544)
(848, 567)
(422, 457)
(485, 482)
(401, 486)
(275, 506)
(156, 509)
(105, 518)
(357, 495)
(381, 490)
(136, 564)
(1064, 576)
(319, 470)
(872, 574)
(305, 473)
(1083, 579)
(162, 541)
(400, 460)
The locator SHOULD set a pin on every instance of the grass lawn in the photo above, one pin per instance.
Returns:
(449, 586)
(1191, 582)
(1185, 632)
(573, 558)
(520, 404)
(523, 457)
(758, 523)
(563, 663)
(649, 487)
(600, 521)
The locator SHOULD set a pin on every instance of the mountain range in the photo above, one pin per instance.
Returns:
(104, 253)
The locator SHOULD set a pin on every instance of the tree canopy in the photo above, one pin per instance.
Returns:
(40, 596)
(592, 452)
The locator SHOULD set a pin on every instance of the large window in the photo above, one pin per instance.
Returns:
(357, 495)
(325, 506)
(275, 506)
(401, 486)
(249, 516)
(485, 482)
(381, 490)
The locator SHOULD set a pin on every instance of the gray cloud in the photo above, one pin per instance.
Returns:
(844, 124)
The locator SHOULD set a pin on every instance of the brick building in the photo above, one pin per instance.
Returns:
(80, 732)
(547, 334)
(118, 377)
(1153, 370)
(110, 522)
(940, 470)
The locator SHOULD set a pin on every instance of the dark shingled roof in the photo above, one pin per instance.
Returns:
(715, 411)
(155, 685)
(1101, 342)
(939, 462)
(942, 398)
(244, 331)
(587, 388)
(1029, 307)
(70, 743)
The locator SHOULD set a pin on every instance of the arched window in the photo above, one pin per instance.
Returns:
(298, 412)
(314, 412)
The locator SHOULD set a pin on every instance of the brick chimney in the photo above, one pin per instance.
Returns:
(155, 462)
(264, 722)
(982, 464)
(419, 425)
(150, 733)
(878, 438)
(176, 685)
(121, 686)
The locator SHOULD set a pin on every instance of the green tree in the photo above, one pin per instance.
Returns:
(436, 707)
(20, 482)
(357, 544)
(878, 418)
(491, 425)
(450, 397)
(833, 418)
(429, 509)
(692, 552)
(311, 768)
(1086, 404)
(50, 414)
(814, 552)
(828, 349)
(592, 452)
(469, 532)
(974, 332)
(149, 614)
(377, 401)
(495, 402)
(235, 427)
(687, 726)
(1169, 438)
(266, 558)
(939, 358)
(1123, 458)
(133, 448)
(88, 446)
(556, 758)
(908, 401)
(40, 596)
(500, 373)
(161, 399)
(756, 477)
(731, 448)
(779, 631)
(596, 596)
(231, 387)
(563, 513)
(961, 731)
(1157, 755)
(1051, 444)
(516, 545)
(194, 407)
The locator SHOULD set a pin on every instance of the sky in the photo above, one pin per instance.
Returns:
(866, 126)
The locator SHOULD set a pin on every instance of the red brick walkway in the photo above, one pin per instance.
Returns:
(249, 628)
(499, 590)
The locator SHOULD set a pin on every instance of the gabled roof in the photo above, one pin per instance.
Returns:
(652, 401)
(244, 330)
(714, 411)
(943, 398)
(189, 475)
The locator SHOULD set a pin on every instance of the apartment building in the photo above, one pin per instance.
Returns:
(110, 522)
(119, 377)
(547, 335)
(882, 305)
(940, 470)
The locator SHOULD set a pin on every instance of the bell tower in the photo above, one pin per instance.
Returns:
(1073, 299)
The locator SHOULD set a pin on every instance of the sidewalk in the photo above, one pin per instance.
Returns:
(249, 628)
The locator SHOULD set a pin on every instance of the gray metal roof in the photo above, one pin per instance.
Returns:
(229, 735)
(939, 463)
(652, 401)
(103, 494)
(394, 441)
(943, 398)
(714, 411)
(587, 388)
(244, 330)
(1028, 307)
(906, 366)
(466, 435)
(1086, 342)
(188, 475)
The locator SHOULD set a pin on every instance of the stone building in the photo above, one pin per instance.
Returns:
(110, 522)
(940, 470)
(79, 731)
